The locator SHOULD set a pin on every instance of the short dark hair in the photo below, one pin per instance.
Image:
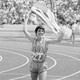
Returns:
(39, 27)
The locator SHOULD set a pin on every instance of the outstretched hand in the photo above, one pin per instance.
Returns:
(67, 31)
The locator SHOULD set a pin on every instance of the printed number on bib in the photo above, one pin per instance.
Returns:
(38, 56)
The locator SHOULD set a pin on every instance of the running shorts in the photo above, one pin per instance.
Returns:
(38, 67)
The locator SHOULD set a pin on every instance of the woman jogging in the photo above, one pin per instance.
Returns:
(38, 65)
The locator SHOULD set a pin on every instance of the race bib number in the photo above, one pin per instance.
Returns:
(37, 56)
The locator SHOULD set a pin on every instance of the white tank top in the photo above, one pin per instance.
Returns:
(39, 50)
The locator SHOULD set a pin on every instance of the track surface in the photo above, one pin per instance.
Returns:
(63, 60)
(15, 51)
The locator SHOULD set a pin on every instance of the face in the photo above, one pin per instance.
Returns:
(40, 32)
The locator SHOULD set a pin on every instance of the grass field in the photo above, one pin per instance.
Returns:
(15, 51)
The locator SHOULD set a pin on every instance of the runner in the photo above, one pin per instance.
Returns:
(38, 66)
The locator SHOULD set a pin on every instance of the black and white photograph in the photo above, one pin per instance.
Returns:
(39, 39)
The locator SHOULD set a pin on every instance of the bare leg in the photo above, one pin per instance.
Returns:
(73, 41)
(71, 37)
(34, 76)
(43, 75)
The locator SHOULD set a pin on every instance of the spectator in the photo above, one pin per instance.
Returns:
(73, 27)
(15, 8)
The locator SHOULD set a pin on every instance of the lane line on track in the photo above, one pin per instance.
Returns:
(73, 58)
(64, 55)
(27, 60)
(28, 74)
(62, 77)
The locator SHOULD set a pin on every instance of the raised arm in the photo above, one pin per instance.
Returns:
(28, 35)
(52, 41)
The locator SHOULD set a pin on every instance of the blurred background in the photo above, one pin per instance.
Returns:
(15, 11)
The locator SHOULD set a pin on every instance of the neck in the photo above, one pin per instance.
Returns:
(39, 38)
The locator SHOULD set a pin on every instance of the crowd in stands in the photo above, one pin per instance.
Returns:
(14, 12)
(68, 10)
